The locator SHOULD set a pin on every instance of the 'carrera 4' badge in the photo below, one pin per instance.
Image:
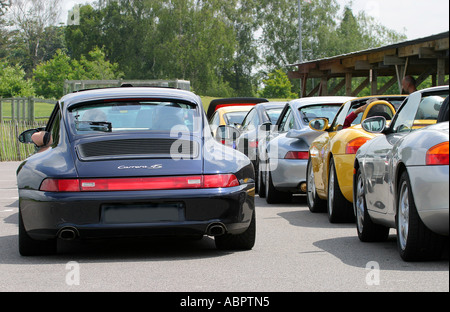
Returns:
(140, 167)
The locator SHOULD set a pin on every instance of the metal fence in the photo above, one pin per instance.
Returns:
(76, 85)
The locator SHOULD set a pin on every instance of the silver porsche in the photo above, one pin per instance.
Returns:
(283, 154)
(401, 178)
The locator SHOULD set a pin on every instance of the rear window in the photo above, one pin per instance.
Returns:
(133, 116)
(308, 113)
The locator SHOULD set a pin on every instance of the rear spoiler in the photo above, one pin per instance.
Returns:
(218, 103)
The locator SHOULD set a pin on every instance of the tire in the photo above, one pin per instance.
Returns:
(367, 230)
(415, 242)
(315, 204)
(274, 196)
(31, 247)
(339, 209)
(257, 177)
(261, 184)
(244, 241)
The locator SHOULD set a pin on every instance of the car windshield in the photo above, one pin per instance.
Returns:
(274, 114)
(235, 117)
(133, 116)
(311, 112)
(419, 111)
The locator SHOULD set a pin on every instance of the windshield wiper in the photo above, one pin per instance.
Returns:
(102, 126)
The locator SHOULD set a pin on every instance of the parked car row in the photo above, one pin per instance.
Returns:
(380, 160)
(127, 162)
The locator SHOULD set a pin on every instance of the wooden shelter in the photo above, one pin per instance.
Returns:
(420, 58)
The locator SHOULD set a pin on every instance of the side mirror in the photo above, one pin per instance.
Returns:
(25, 137)
(265, 127)
(319, 124)
(374, 124)
(227, 133)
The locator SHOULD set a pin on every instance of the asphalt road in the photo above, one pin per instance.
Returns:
(295, 251)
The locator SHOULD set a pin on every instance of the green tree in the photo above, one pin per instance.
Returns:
(278, 86)
(49, 76)
(13, 82)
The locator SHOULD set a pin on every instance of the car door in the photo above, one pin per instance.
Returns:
(381, 156)
(320, 151)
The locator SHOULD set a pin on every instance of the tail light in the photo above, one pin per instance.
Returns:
(139, 184)
(296, 155)
(438, 155)
(253, 144)
(354, 145)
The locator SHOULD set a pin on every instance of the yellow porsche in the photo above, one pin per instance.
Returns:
(332, 154)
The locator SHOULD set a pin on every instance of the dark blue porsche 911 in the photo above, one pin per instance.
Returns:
(132, 162)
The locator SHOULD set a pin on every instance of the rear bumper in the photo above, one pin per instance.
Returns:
(430, 186)
(344, 171)
(44, 215)
(288, 174)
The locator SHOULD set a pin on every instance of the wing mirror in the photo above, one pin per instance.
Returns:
(25, 137)
(227, 133)
(319, 124)
(265, 127)
(374, 124)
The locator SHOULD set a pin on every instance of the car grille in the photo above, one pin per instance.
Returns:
(138, 147)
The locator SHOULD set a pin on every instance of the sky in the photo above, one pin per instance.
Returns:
(416, 19)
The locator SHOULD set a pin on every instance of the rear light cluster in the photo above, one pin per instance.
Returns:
(354, 145)
(139, 184)
(438, 155)
(297, 155)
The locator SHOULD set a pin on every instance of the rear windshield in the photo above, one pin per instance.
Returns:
(311, 112)
(134, 116)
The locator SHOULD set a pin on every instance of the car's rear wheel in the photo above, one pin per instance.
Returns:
(315, 204)
(31, 247)
(414, 240)
(367, 230)
(274, 196)
(244, 241)
(338, 207)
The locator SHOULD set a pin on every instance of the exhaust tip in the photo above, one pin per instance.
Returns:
(216, 229)
(68, 233)
(303, 187)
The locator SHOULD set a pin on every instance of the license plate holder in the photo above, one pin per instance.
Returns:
(142, 213)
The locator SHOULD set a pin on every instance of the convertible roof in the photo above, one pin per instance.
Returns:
(218, 103)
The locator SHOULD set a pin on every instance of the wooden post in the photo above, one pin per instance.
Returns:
(348, 84)
(31, 109)
(440, 71)
(374, 81)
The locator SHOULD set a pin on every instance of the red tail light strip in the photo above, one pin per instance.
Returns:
(139, 184)
(296, 155)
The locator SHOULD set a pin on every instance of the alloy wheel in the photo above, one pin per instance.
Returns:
(403, 215)
(360, 204)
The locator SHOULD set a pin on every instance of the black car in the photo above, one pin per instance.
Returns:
(132, 162)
